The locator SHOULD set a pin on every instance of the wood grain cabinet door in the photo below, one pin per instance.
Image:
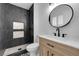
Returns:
(55, 53)
(45, 51)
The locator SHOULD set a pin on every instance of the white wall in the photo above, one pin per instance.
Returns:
(42, 26)
(36, 22)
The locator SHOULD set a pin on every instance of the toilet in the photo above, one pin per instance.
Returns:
(33, 49)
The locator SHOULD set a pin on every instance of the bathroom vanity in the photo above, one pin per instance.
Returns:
(58, 46)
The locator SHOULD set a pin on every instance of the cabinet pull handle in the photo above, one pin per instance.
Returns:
(52, 54)
(50, 45)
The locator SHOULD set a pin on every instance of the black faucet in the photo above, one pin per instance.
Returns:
(63, 35)
(58, 32)
(54, 34)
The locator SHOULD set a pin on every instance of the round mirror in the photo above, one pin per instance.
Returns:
(61, 15)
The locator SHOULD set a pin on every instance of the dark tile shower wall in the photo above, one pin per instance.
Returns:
(31, 23)
(9, 14)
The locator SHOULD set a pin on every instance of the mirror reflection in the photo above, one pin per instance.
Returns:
(61, 15)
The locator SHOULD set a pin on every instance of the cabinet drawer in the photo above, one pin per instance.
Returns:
(60, 48)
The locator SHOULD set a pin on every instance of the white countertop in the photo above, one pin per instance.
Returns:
(67, 41)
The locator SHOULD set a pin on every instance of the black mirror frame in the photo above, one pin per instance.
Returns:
(66, 23)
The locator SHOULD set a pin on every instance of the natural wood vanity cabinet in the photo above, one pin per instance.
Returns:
(52, 48)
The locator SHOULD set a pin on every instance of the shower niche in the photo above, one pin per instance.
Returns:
(18, 30)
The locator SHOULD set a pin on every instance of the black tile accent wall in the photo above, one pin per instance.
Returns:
(31, 26)
(8, 14)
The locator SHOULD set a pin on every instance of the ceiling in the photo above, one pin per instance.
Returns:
(23, 5)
